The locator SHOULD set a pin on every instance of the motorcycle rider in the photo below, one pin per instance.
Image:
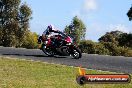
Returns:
(49, 30)
(48, 33)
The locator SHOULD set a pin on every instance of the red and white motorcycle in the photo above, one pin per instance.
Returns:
(60, 44)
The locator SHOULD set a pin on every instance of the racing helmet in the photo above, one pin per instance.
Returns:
(50, 27)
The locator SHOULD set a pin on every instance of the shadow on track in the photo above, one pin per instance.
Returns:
(34, 55)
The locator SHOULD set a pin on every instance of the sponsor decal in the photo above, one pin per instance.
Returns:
(84, 78)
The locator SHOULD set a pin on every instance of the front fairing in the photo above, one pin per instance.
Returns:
(68, 40)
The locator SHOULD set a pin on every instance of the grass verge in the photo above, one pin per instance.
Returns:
(17, 73)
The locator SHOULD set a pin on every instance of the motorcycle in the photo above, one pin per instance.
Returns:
(60, 44)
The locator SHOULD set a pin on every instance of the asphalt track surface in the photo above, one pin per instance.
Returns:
(90, 61)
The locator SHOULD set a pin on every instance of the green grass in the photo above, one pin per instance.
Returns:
(16, 73)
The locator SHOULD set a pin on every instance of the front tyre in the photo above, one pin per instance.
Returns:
(76, 53)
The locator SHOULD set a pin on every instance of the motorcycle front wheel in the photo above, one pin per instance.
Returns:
(76, 53)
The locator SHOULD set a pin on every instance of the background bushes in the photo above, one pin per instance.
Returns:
(90, 47)
(104, 48)
(30, 41)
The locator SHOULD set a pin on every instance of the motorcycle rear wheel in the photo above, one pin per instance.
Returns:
(48, 51)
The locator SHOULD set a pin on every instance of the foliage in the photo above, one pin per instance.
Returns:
(129, 14)
(112, 36)
(129, 53)
(90, 47)
(101, 50)
(14, 22)
(76, 30)
(104, 48)
(87, 46)
(113, 49)
(117, 42)
(1, 36)
(125, 40)
(30, 40)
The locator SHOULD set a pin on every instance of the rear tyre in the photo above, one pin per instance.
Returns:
(48, 51)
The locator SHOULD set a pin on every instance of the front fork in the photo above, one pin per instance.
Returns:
(70, 49)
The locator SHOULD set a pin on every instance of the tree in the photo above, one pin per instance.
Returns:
(14, 19)
(117, 42)
(8, 12)
(125, 40)
(30, 40)
(76, 30)
(112, 36)
(24, 16)
(129, 14)
(1, 36)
